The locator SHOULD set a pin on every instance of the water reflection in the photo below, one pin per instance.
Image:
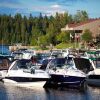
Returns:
(67, 94)
(20, 93)
(8, 92)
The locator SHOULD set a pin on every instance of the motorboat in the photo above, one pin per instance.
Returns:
(23, 73)
(63, 72)
(23, 54)
(93, 76)
(59, 53)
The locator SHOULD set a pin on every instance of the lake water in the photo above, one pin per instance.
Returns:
(9, 92)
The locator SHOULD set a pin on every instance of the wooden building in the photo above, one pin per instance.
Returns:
(92, 24)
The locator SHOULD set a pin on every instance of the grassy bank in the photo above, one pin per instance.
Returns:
(67, 45)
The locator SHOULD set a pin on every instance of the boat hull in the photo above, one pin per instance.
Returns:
(64, 80)
(25, 81)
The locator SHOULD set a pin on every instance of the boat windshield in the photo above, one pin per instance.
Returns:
(60, 63)
(22, 64)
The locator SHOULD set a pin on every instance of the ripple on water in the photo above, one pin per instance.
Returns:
(9, 92)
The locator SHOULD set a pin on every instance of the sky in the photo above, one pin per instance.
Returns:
(49, 7)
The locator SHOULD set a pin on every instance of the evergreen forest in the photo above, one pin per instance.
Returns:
(36, 30)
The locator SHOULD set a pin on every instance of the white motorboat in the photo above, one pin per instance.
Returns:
(64, 72)
(93, 76)
(23, 54)
(24, 73)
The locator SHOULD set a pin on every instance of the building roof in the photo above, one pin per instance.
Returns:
(82, 23)
(92, 24)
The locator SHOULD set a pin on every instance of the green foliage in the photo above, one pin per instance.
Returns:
(41, 30)
(81, 16)
(51, 34)
(67, 45)
(43, 40)
(33, 41)
(87, 36)
(64, 45)
(63, 37)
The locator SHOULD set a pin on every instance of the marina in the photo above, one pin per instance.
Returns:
(51, 76)
(49, 50)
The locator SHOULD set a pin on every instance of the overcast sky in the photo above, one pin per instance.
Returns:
(49, 7)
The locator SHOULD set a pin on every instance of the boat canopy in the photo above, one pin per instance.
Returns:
(4, 63)
(83, 64)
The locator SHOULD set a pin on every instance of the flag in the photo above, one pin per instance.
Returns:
(71, 36)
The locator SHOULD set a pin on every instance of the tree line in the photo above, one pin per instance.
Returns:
(40, 30)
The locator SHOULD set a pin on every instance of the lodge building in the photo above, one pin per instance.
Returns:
(92, 24)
